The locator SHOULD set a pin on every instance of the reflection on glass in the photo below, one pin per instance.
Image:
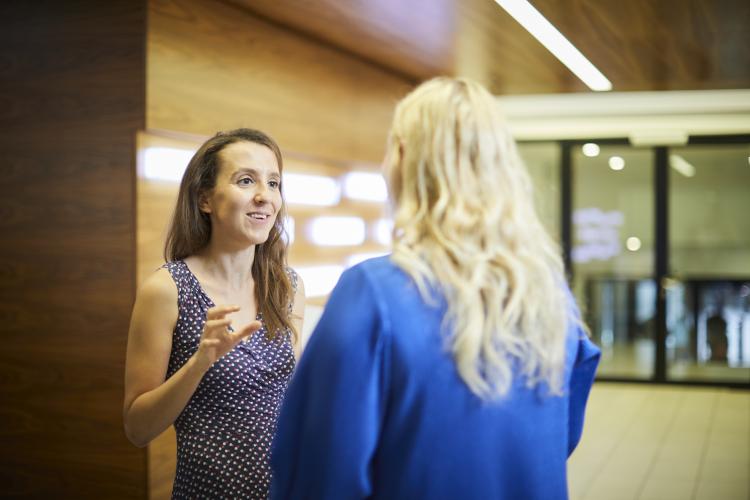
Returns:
(612, 255)
(708, 306)
(542, 160)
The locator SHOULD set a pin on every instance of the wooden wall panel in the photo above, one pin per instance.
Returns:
(214, 66)
(417, 38)
(664, 45)
(72, 95)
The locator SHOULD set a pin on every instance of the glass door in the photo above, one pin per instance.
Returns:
(708, 291)
(612, 253)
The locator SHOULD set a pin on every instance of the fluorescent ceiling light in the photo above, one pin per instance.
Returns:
(336, 231)
(166, 164)
(367, 186)
(541, 29)
(319, 280)
(681, 165)
(304, 189)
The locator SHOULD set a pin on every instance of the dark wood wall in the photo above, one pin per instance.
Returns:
(72, 96)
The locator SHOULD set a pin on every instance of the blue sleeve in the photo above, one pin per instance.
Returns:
(582, 373)
(581, 380)
(329, 423)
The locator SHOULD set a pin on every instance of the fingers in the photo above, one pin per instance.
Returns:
(248, 330)
(217, 323)
(211, 342)
(218, 312)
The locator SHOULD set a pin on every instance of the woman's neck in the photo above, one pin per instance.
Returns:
(221, 266)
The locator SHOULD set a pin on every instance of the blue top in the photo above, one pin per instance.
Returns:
(376, 408)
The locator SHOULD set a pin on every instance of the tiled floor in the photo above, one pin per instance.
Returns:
(639, 442)
(663, 443)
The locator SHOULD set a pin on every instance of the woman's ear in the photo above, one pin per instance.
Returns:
(203, 204)
(395, 163)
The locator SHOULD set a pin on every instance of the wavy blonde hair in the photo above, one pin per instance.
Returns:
(465, 224)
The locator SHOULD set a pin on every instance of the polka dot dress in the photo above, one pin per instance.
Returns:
(224, 433)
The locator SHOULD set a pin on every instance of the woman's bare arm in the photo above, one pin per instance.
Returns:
(152, 404)
(298, 315)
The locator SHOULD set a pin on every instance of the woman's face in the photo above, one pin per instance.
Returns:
(244, 203)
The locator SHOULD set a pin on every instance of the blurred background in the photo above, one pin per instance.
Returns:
(638, 143)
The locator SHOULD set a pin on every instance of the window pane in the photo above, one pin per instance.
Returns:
(542, 159)
(613, 254)
(708, 306)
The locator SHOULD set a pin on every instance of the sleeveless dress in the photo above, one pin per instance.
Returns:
(224, 433)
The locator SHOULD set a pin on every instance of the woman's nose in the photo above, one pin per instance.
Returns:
(260, 196)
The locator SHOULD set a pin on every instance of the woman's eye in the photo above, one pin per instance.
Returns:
(274, 184)
(245, 181)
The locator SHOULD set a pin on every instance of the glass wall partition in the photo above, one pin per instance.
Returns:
(542, 159)
(657, 240)
(612, 253)
(708, 291)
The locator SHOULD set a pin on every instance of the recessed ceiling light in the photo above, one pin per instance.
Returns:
(633, 243)
(590, 149)
(616, 163)
(541, 29)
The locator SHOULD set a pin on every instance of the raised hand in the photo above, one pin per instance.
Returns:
(217, 339)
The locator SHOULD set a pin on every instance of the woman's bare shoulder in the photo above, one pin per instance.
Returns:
(158, 289)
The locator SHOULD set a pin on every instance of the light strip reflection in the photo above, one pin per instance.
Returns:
(319, 280)
(306, 189)
(336, 231)
(367, 186)
(165, 164)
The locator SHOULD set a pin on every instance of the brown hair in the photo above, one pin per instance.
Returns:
(190, 230)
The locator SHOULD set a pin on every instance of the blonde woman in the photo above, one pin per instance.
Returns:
(457, 367)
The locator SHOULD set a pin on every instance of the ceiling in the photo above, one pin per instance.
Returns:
(637, 44)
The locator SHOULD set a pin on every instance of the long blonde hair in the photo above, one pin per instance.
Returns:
(465, 224)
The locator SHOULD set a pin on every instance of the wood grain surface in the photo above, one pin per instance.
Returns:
(637, 44)
(72, 96)
(214, 66)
